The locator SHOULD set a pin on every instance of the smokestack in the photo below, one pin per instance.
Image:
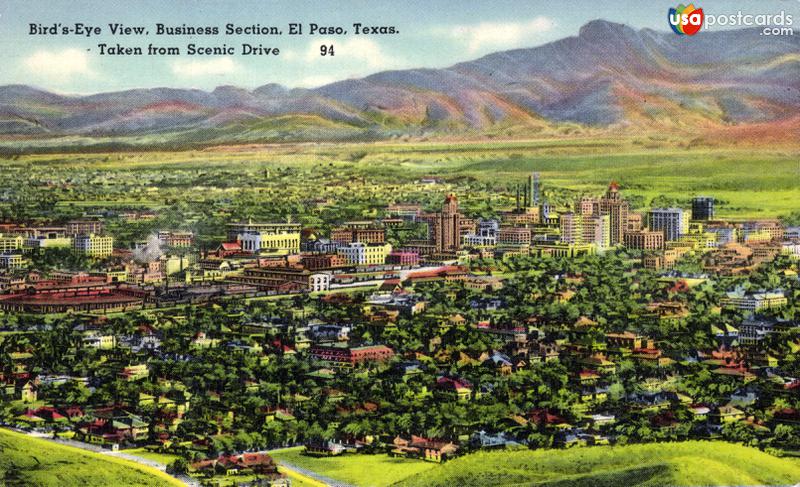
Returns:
(529, 192)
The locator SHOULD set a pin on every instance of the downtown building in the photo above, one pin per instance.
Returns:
(266, 237)
(284, 279)
(359, 253)
(702, 208)
(673, 222)
(95, 246)
(486, 236)
(590, 229)
(612, 206)
(446, 227)
(644, 240)
(364, 232)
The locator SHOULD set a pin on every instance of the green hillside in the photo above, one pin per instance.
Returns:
(692, 463)
(31, 461)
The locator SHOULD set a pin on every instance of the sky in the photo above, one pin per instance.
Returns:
(432, 34)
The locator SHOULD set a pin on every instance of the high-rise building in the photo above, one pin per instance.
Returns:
(644, 240)
(571, 225)
(597, 230)
(589, 206)
(674, 222)
(444, 228)
(96, 246)
(617, 208)
(702, 208)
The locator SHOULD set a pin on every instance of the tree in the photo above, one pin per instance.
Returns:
(179, 466)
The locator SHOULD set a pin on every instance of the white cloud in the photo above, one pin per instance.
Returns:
(59, 64)
(365, 52)
(289, 54)
(209, 67)
(485, 36)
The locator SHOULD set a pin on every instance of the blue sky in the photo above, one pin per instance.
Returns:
(433, 33)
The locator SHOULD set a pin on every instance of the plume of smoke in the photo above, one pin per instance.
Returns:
(150, 252)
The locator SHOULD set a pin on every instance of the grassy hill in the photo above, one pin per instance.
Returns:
(692, 463)
(366, 470)
(31, 461)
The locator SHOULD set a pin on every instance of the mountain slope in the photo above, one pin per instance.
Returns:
(607, 75)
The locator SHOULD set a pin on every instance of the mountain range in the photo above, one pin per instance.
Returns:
(609, 75)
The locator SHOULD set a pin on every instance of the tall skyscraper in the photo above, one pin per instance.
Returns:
(702, 208)
(674, 222)
(589, 206)
(613, 205)
(597, 230)
(571, 225)
(444, 228)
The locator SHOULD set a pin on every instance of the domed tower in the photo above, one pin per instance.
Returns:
(613, 205)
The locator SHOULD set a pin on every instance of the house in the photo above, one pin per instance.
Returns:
(545, 352)
(409, 369)
(427, 449)
(277, 414)
(570, 438)
(602, 419)
(500, 362)
(546, 419)
(48, 413)
(744, 396)
(664, 421)
(482, 439)
(323, 448)
(112, 426)
(132, 373)
(329, 333)
(756, 328)
(343, 355)
(598, 362)
(699, 412)
(459, 389)
(588, 377)
(244, 463)
(727, 414)
(27, 391)
(787, 415)
(651, 356)
(653, 400)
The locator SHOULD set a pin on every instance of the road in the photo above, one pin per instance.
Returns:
(103, 451)
(310, 473)
(301, 472)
